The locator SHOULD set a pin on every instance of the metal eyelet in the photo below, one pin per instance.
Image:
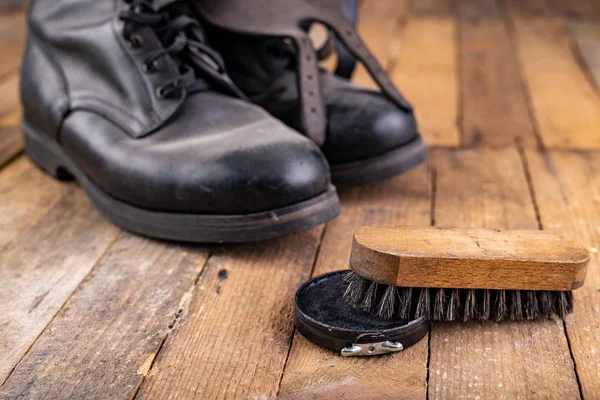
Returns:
(135, 41)
(160, 92)
(151, 66)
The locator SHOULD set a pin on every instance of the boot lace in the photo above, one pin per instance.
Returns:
(183, 41)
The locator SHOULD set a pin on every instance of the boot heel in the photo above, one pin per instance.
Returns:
(45, 153)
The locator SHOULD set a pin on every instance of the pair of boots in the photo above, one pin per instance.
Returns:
(128, 98)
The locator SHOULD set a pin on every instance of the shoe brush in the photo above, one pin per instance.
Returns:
(463, 274)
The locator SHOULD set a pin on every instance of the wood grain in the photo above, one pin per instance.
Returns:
(12, 40)
(565, 104)
(468, 258)
(313, 372)
(433, 7)
(426, 72)
(11, 144)
(489, 189)
(236, 336)
(26, 194)
(103, 341)
(567, 189)
(9, 88)
(379, 24)
(587, 40)
(40, 269)
(494, 108)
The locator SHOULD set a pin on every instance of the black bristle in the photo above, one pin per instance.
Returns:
(469, 305)
(423, 304)
(439, 305)
(516, 306)
(386, 305)
(484, 315)
(569, 298)
(369, 299)
(532, 309)
(453, 307)
(562, 304)
(405, 303)
(450, 304)
(545, 304)
(356, 288)
(500, 306)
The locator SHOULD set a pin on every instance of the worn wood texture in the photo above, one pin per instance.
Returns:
(12, 40)
(379, 24)
(587, 40)
(494, 108)
(500, 360)
(9, 88)
(40, 269)
(433, 7)
(104, 340)
(426, 72)
(26, 194)
(566, 105)
(495, 259)
(236, 336)
(567, 189)
(312, 372)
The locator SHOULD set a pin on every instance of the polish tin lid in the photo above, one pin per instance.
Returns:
(326, 319)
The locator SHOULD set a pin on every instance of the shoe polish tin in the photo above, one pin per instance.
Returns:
(326, 319)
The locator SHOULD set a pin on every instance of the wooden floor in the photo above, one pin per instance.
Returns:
(507, 94)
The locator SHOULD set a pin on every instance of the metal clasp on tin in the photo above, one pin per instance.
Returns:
(372, 349)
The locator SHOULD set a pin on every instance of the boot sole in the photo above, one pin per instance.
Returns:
(380, 167)
(200, 228)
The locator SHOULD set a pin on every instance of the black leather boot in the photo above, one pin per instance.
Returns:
(369, 135)
(127, 98)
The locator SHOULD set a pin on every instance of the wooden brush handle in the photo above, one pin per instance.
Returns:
(467, 258)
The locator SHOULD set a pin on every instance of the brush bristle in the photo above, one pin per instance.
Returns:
(450, 304)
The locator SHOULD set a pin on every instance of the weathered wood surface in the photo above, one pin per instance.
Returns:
(567, 189)
(468, 258)
(103, 342)
(501, 360)
(565, 103)
(587, 40)
(312, 372)
(495, 111)
(97, 318)
(379, 24)
(236, 336)
(426, 72)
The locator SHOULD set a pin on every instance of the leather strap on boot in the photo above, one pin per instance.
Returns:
(283, 18)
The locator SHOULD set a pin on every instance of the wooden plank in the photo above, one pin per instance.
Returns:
(488, 188)
(313, 372)
(565, 104)
(105, 338)
(433, 7)
(379, 23)
(236, 336)
(587, 40)
(12, 40)
(40, 269)
(532, 8)
(426, 72)
(567, 189)
(494, 108)
(9, 100)
(26, 194)
(11, 144)
(579, 9)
